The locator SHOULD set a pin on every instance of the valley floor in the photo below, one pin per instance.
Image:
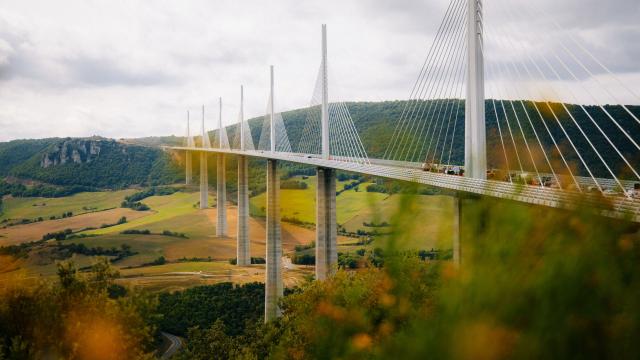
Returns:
(192, 254)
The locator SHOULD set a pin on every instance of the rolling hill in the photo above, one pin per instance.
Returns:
(106, 163)
(91, 162)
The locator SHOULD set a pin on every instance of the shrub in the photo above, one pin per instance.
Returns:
(293, 184)
(304, 259)
(174, 234)
(159, 261)
(136, 232)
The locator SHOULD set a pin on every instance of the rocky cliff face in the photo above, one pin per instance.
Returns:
(78, 151)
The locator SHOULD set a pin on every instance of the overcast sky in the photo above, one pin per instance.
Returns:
(133, 68)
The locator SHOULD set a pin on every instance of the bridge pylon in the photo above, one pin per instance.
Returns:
(204, 181)
(243, 248)
(273, 280)
(273, 270)
(243, 257)
(221, 193)
(221, 196)
(456, 229)
(204, 176)
(325, 97)
(326, 225)
(272, 127)
(188, 165)
(188, 159)
(475, 153)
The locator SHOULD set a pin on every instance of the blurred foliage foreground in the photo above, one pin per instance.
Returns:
(81, 316)
(534, 283)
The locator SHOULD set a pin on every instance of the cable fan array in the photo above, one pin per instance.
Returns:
(431, 126)
(547, 112)
(547, 122)
(280, 132)
(344, 141)
(225, 139)
(206, 142)
(248, 138)
(553, 137)
(188, 140)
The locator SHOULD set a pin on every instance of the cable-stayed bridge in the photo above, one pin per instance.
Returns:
(495, 111)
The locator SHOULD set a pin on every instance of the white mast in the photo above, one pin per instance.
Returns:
(475, 157)
(241, 118)
(205, 138)
(272, 127)
(325, 96)
(188, 130)
(220, 125)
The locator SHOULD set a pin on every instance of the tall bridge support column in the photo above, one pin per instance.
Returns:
(326, 227)
(221, 197)
(457, 231)
(188, 162)
(204, 181)
(244, 245)
(273, 281)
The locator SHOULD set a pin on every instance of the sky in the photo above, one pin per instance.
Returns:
(128, 68)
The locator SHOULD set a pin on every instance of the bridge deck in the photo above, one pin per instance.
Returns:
(614, 206)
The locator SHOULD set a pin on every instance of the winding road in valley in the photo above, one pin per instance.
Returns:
(176, 345)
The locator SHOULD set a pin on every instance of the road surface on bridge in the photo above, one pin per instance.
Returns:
(614, 206)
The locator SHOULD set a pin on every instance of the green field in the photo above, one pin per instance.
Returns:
(148, 247)
(351, 203)
(300, 204)
(354, 208)
(165, 210)
(32, 208)
(205, 266)
(432, 214)
(177, 213)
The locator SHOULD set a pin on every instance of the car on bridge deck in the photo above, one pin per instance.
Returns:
(550, 182)
(442, 169)
(429, 167)
(635, 192)
(497, 174)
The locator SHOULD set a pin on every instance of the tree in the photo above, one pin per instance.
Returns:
(76, 318)
(204, 343)
(102, 274)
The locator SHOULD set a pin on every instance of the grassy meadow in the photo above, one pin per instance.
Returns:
(32, 208)
(355, 208)
(179, 213)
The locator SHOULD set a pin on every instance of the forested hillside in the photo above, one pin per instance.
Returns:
(376, 122)
(106, 163)
(93, 162)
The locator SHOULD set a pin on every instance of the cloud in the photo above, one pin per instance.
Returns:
(132, 68)
(22, 59)
(108, 72)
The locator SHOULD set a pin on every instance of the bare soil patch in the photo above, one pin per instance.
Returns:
(32, 232)
(224, 248)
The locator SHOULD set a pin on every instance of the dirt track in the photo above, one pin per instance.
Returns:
(225, 248)
(34, 231)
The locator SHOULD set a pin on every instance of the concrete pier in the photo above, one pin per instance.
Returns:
(456, 232)
(273, 274)
(188, 160)
(326, 227)
(204, 182)
(221, 197)
(244, 245)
